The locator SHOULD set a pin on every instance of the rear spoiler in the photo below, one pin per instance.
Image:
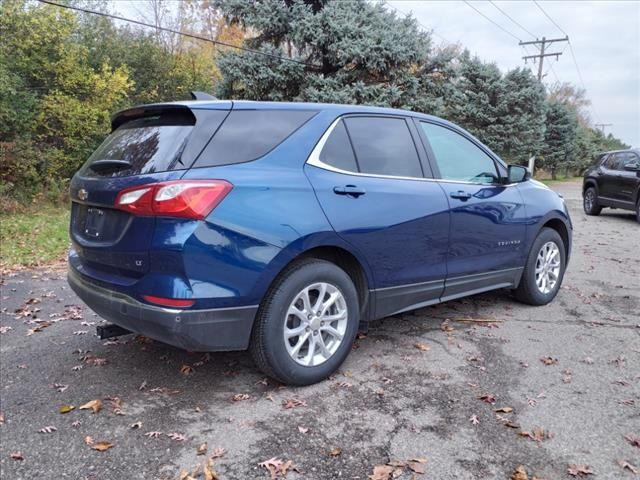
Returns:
(147, 111)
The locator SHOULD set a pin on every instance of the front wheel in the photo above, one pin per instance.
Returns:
(306, 324)
(544, 270)
(590, 202)
(638, 211)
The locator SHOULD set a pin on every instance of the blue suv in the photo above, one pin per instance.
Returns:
(283, 228)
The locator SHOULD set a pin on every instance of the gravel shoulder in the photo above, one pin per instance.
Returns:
(425, 384)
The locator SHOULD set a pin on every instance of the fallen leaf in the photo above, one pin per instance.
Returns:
(277, 467)
(95, 405)
(487, 397)
(474, 419)
(136, 425)
(202, 449)
(422, 347)
(102, 446)
(626, 465)
(381, 472)
(238, 397)
(504, 410)
(153, 434)
(519, 474)
(66, 408)
(2, 419)
(88, 440)
(293, 403)
(218, 452)
(59, 387)
(549, 360)
(579, 470)
(76, 424)
(178, 437)
(635, 441)
(538, 434)
(415, 466)
(49, 429)
(334, 452)
(209, 472)
(187, 370)
(16, 455)
(303, 429)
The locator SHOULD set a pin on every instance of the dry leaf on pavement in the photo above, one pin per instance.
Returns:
(218, 452)
(209, 472)
(422, 347)
(519, 474)
(579, 470)
(95, 405)
(293, 403)
(334, 452)
(102, 446)
(277, 467)
(187, 370)
(16, 455)
(382, 472)
(153, 434)
(549, 360)
(66, 408)
(202, 449)
(474, 419)
(48, 429)
(238, 397)
(504, 410)
(178, 437)
(626, 465)
(635, 441)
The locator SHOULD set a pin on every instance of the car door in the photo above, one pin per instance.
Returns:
(486, 247)
(628, 177)
(368, 176)
(609, 178)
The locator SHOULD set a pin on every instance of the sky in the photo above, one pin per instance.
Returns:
(604, 35)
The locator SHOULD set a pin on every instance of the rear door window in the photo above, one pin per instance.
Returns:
(384, 146)
(153, 143)
(247, 135)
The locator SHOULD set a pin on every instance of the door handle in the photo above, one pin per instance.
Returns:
(460, 195)
(352, 190)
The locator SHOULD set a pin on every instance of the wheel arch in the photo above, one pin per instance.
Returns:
(590, 182)
(563, 230)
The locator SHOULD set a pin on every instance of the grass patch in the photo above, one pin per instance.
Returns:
(35, 236)
(548, 181)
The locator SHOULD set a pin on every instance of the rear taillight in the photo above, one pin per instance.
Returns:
(181, 198)
(169, 302)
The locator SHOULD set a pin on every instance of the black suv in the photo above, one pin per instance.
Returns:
(613, 181)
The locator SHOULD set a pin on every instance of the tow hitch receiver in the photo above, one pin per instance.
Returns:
(110, 330)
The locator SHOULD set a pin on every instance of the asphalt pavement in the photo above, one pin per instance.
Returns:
(471, 389)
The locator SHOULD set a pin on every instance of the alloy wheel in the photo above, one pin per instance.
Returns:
(548, 265)
(315, 324)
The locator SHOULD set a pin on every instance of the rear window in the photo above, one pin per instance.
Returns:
(250, 134)
(153, 143)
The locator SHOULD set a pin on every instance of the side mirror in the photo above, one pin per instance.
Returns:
(518, 174)
(632, 167)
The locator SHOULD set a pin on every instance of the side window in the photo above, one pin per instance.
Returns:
(337, 150)
(631, 159)
(614, 162)
(458, 158)
(384, 146)
(250, 134)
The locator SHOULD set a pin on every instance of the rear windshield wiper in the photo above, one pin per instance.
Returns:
(109, 164)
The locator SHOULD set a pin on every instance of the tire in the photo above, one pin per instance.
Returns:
(638, 211)
(274, 354)
(529, 290)
(590, 202)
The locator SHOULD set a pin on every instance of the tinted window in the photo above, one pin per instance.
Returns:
(383, 146)
(337, 150)
(630, 158)
(458, 158)
(149, 144)
(615, 161)
(250, 134)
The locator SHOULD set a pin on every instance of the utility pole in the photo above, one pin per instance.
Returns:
(542, 45)
(602, 126)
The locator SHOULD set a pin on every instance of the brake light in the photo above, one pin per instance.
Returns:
(193, 199)
(169, 302)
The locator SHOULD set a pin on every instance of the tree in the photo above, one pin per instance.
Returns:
(347, 52)
(560, 138)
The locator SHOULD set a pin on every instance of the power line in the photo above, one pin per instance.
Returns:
(512, 20)
(489, 19)
(177, 32)
(551, 19)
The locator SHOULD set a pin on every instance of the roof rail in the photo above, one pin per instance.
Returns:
(202, 96)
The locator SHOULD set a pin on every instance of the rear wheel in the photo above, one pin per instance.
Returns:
(590, 202)
(306, 324)
(638, 211)
(544, 270)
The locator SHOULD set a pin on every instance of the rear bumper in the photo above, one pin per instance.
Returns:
(217, 329)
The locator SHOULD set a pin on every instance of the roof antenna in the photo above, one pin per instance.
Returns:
(202, 96)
